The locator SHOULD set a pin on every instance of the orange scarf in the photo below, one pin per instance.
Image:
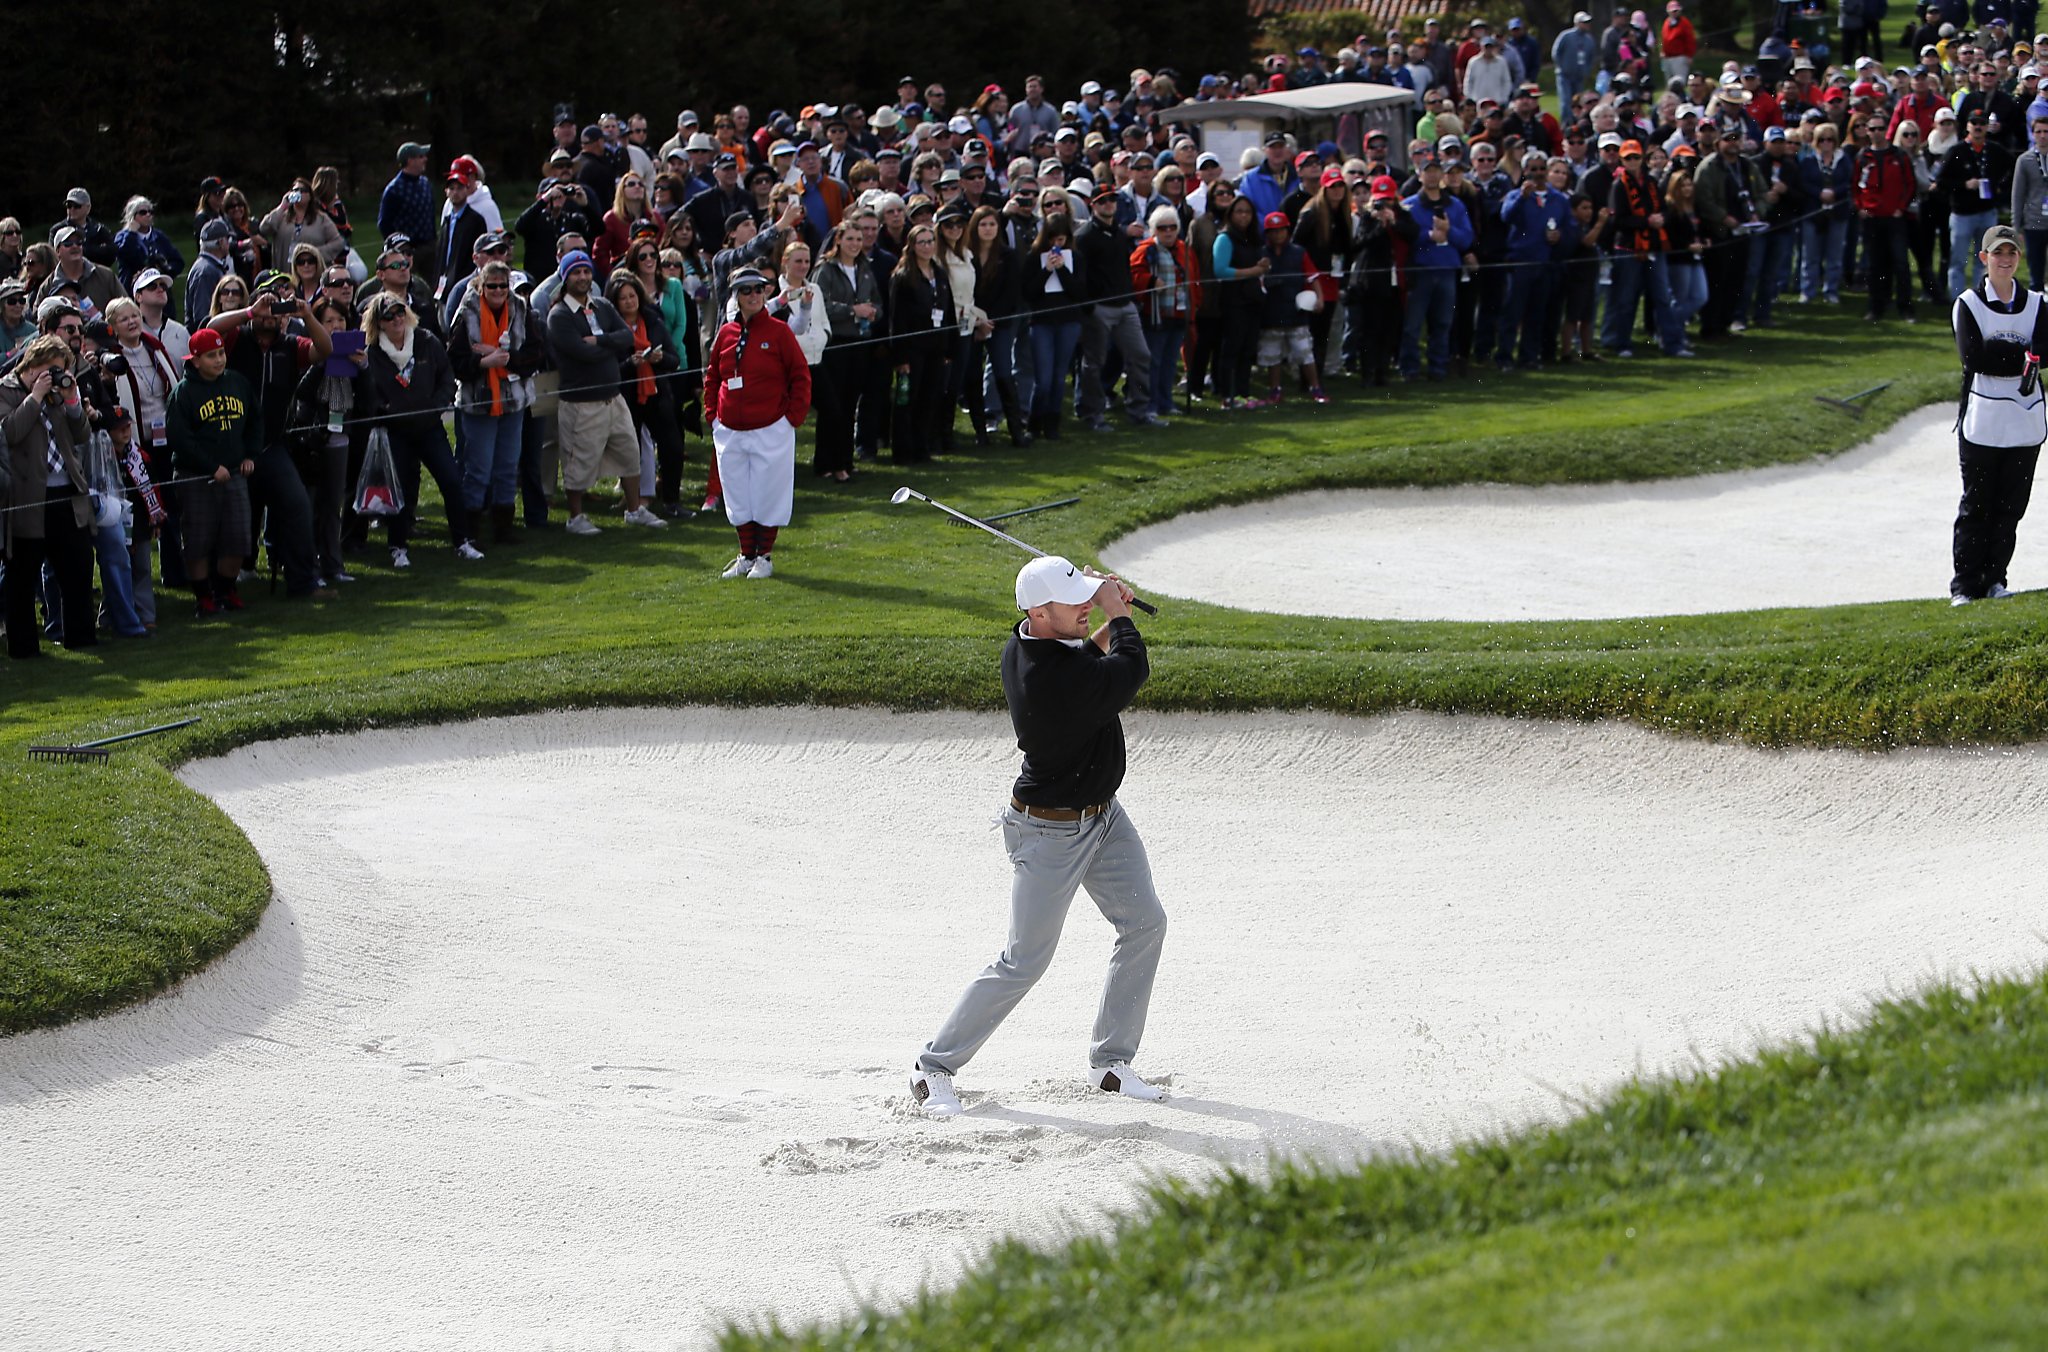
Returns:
(643, 386)
(490, 332)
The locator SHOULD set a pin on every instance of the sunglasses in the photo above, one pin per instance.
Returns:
(235, 291)
(497, 286)
(386, 316)
(671, 267)
(749, 289)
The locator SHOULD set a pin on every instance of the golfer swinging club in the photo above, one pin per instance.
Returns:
(1064, 828)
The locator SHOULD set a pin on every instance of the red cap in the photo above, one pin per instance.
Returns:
(1277, 220)
(1303, 158)
(467, 166)
(460, 172)
(204, 341)
(1383, 186)
(1629, 148)
(1333, 174)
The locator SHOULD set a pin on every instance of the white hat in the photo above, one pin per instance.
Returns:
(1582, 17)
(1091, 87)
(2033, 72)
(1053, 580)
(1609, 138)
(148, 277)
(1944, 114)
(700, 141)
(960, 126)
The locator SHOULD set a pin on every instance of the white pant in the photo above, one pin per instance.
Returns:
(758, 472)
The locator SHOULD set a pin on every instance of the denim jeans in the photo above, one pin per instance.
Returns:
(1688, 289)
(1163, 342)
(1965, 233)
(1629, 275)
(489, 452)
(1528, 302)
(1776, 257)
(1825, 239)
(1432, 296)
(1568, 87)
(117, 580)
(1053, 342)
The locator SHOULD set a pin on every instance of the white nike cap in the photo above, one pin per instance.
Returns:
(1053, 580)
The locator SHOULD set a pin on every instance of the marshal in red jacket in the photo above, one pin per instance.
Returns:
(775, 380)
(1884, 181)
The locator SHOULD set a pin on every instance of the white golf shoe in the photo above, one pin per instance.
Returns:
(644, 515)
(933, 1091)
(1119, 1078)
(739, 567)
(764, 566)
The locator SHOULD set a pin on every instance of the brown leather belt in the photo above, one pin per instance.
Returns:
(1060, 814)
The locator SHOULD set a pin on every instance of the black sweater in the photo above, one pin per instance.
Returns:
(1064, 703)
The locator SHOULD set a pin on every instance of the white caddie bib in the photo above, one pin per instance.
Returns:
(1995, 413)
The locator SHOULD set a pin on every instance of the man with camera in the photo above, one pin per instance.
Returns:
(42, 468)
(559, 210)
(262, 349)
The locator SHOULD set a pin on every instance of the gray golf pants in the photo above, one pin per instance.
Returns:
(1118, 324)
(1049, 861)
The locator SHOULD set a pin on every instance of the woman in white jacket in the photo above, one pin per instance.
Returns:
(798, 305)
(958, 261)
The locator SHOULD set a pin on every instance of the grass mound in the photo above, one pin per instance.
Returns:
(1880, 1187)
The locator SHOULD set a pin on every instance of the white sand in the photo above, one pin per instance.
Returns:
(587, 1030)
(1869, 525)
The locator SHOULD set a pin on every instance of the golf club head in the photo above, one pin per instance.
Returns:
(900, 496)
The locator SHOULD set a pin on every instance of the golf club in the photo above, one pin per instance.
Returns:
(903, 495)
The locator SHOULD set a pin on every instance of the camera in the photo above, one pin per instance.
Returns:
(113, 363)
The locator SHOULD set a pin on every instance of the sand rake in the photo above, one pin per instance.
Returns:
(1848, 402)
(97, 751)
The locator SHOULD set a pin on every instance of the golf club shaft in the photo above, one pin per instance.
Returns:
(1009, 539)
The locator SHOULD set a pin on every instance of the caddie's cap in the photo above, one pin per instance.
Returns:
(1999, 235)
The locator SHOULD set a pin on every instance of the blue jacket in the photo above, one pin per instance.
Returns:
(135, 250)
(1529, 216)
(1266, 192)
(1843, 180)
(1531, 53)
(1574, 52)
(407, 206)
(1428, 253)
(1288, 279)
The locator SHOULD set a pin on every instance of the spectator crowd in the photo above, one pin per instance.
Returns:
(175, 396)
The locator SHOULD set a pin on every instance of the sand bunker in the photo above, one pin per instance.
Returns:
(590, 1030)
(1870, 525)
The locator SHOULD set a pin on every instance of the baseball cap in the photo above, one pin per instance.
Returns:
(1052, 580)
(960, 126)
(70, 234)
(1774, 133)
(78, 197)
(1629, 148)
(203, 342)
(1582, 17)
(1090, 87)
(147, 278)
(409, 150)
(1333, 174)
(687, 118)
(217, 228)
(2000, 234)
(1277, 220)
(1383, 187)
(1205, 159)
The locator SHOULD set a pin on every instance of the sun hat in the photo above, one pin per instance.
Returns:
(1052, 580)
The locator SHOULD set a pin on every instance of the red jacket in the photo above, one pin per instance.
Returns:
(1678, 39)
(775, 380)
(1920, 111)
(1884, 181)
(1184, 264)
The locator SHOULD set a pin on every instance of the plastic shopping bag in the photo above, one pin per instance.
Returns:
(109, 497)
(377, 491)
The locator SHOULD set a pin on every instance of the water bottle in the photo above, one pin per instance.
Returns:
(903, 389)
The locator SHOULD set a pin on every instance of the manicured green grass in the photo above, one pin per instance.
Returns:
(1877, 1188)
(874, 604)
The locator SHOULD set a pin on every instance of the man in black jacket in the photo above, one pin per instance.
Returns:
(1064, 829)
(1105, 255)
(461, 228)
(1977, 176)
(711, 209)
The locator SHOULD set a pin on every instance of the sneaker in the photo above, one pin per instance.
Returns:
(1737, 326)
(580, 524)
(1096, 424)
(739, 567)
(206, 607)
(231, 599)
(333, 578)
(1625, 353)
(933, 1092)
(1959, 600)
(1121, 1079)
(468, 551)
(1999, 592)
(1685, 352)
(718, 504)
(1908, 319)
(1318, 395)
(400, 559)
(763, 567)
(641, 516)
